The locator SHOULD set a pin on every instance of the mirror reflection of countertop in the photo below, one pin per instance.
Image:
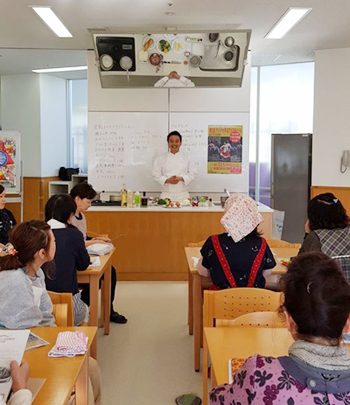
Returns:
(216, 208)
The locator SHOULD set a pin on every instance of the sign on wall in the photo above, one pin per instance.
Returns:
(10, 172)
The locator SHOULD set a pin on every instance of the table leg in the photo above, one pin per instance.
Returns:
(82, 383)
(190, 303)
(102, 321)
(197, 302)
(107, 297)
(205, 372)
(94, 310)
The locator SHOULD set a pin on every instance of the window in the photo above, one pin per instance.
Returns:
(78, 123)
(285, 105)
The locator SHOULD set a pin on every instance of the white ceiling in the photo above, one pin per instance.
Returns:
(23, 35)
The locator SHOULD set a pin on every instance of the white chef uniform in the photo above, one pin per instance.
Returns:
(178, 164)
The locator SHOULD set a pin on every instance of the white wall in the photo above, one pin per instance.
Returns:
(53, 124)
(20, 110)
(331, 117)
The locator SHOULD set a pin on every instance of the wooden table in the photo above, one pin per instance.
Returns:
(239, 342)
(92, 276)
(282, 253)
(61, 374)
(197, 283)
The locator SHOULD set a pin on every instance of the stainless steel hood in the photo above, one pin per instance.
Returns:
(209, 59)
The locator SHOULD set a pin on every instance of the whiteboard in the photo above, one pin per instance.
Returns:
(10, 161)
(122, 147)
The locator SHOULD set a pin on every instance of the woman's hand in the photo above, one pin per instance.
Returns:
(20, 375)
(174, 179)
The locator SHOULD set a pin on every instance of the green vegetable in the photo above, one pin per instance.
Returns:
(161, 202)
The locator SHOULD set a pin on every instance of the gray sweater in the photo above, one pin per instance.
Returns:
(17, 307)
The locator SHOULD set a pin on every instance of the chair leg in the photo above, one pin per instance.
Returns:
(190, 303)
(205, 372)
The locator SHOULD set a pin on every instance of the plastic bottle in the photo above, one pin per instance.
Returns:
(144, 200)
(130, 198)
(137, 199)
(124, 196)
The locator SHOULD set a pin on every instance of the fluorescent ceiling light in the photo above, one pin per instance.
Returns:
(51, 19)
(63, 69)
(287, 22)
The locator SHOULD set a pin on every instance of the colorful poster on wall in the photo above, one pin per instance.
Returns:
(8, 159)
(225, 149)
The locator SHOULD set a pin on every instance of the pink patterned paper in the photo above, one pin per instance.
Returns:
(69, 344)
(241, 216)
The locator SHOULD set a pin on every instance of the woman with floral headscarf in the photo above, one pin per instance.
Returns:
(238, 257)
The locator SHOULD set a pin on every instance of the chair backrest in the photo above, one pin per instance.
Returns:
(344, 263)
(277, 243)
(234, 302)
(64, 298)
(196, 244)
(264, 319)
(60, 313)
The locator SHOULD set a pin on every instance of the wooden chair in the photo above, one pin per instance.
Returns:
(60, 312)
(265, 319)
(221, 307)
(277, 243)
(64, 298)
(234, 302)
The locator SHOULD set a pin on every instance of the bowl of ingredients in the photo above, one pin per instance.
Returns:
(164, 46)
(155, 59)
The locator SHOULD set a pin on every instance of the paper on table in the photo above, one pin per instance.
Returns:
(95, 261)
(35, 341)
(195, 261)
(12, 345)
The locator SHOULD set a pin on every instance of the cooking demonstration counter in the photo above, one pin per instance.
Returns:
(149, 241)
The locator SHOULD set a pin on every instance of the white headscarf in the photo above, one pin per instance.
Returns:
(241, 216)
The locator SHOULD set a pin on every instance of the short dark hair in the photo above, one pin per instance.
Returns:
(60, 207)
(174, 133)
(325, 211)
(83, 190)
(2, 188)
(317, 296)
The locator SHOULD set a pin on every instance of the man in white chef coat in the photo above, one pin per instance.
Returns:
(174, 170)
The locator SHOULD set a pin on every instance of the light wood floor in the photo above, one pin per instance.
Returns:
(148, 361)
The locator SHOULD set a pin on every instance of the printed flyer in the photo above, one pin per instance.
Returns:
(225, 149)
(8, 150)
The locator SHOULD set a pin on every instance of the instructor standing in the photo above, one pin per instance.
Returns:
(174, 170)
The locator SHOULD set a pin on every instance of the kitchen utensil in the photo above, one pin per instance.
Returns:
(163, 46)
(229, 41)
(217, 49)
(176, 62)
(223, 200)
(106, 62)
(227, 192)
(187, 54)
(178, 46)
(126, 64)
(213, 37)
(228, 56)
(155, 59)
(195, 61)
(146, 39)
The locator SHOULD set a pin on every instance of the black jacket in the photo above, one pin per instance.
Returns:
(7, 221)
(71, 255)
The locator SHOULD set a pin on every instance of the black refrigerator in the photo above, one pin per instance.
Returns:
(291, 156)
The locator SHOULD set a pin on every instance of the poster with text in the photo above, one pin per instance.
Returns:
(225, 149)
(8, 152)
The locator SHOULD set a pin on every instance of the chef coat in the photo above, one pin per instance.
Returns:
(178, 164)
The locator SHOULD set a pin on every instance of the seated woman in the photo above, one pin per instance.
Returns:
(327, 227)
(239, 257)
(317, 370)
(71, 254)
(7, 220)
(24, 301)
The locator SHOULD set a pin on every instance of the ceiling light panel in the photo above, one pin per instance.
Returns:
(62, 69)
(287, 22)
(52, 21)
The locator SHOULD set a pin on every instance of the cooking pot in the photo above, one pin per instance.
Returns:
(155, 59)
(195, 61)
